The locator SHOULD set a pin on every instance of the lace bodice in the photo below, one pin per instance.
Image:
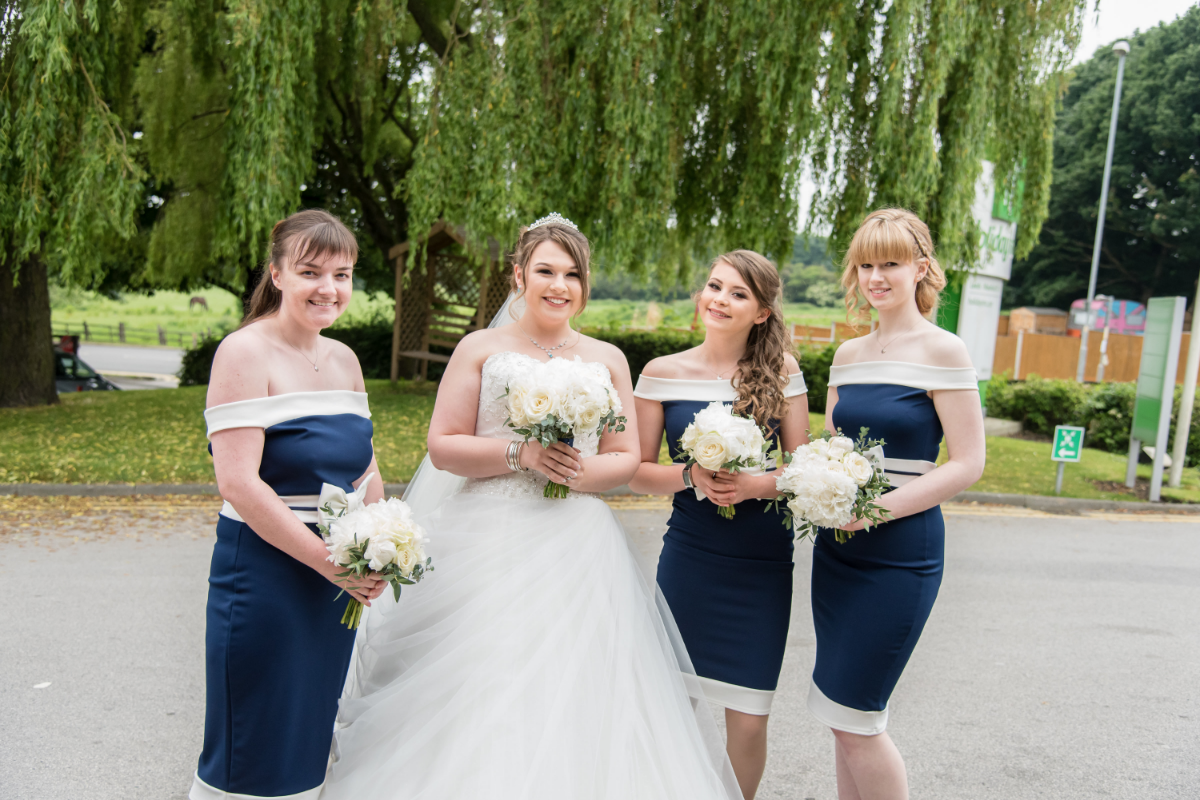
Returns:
(498, 370)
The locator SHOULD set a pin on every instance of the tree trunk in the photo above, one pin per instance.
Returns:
(25, 347)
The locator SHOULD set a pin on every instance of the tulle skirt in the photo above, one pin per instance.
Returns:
(534, 662)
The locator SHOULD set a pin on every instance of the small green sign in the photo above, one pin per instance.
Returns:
(1068, 444)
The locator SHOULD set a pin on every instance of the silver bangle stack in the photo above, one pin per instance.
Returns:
(512, 456)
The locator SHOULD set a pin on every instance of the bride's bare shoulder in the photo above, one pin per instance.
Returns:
(477, 346)
(608, 354)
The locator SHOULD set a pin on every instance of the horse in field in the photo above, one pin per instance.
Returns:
(198, 301)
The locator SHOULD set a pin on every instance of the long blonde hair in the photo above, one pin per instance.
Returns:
(760, 378)
(891, 234)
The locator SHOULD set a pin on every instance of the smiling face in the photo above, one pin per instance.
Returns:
(552, 283)
(890, 284)
(727, 304)
(315, 290)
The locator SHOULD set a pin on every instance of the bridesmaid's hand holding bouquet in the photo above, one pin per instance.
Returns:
(381, 538)
(717, 439)
(832, 481)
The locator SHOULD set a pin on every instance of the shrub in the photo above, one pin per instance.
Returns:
(815, 363)
(1040, 404)
(1108, 415)
(640, 347)
(197, 362)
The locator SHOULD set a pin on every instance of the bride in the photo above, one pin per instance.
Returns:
(535, 661)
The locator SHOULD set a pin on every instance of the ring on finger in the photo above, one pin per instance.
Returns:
(714, 477)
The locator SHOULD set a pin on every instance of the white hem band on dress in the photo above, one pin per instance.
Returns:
(664, 389)
(905, 373)
(844, 718)
(263, 412)
(738, 698)
(202, 791)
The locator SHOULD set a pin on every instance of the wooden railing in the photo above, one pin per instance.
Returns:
(1049, 356)
(826, 334)
(125, 334)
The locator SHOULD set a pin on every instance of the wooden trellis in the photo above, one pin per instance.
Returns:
(445, 298)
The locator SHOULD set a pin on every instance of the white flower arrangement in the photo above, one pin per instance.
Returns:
(830, 481)
(559, 400)
(719, 439)
(381, 537)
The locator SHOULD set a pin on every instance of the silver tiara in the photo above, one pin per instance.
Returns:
(556, 218)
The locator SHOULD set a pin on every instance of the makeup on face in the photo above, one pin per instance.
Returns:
(888, 282)
(316, 290)
(726, 301)
(551, 281)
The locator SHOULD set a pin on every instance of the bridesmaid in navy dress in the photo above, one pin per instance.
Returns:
(909, 382)
(728, 581)
(287, 412)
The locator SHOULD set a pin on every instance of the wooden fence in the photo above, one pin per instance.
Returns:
(1049, 356)
(825, 334)
(124, 334)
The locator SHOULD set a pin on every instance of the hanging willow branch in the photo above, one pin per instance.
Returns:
(672, 128)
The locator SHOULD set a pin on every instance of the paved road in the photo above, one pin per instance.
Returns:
(1061, 661)
(126, 358)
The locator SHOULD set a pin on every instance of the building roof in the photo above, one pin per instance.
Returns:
(1042, 312)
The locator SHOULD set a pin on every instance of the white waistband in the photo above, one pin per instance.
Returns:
(304, 506)
(902, 470)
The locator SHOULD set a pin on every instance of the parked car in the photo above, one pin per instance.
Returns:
(71, 374)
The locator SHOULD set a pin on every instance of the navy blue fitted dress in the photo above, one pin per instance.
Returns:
(872, 594)
(728, 581)
(277, 653)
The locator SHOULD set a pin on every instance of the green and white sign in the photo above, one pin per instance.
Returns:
(1068, 444)
(1156, 386)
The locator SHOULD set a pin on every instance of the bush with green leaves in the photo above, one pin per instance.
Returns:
(815, 363)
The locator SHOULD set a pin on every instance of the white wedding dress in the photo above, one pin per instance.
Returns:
(535, 662)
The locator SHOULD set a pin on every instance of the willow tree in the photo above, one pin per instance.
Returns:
(668, 128)
(70, 186)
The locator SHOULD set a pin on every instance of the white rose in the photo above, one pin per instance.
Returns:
(710, 451)
(819, 448)
(836, 467)
(688, 441)
(614, 400)
(858, 468)
(516, 405)
(538, 403)
(406, 559)
(839, 446)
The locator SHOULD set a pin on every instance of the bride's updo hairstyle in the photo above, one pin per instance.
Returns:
(313, 234)
(565, 236)
(760, 379)
(892, 234)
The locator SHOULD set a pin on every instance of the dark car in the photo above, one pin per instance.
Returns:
(73, 375)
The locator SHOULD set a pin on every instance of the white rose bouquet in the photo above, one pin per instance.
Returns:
(559, 400)
(830, 481)
(381, 537)
(719, 439)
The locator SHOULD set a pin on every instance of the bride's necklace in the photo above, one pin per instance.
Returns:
(311, 361)
(883, 347)
(549, 351)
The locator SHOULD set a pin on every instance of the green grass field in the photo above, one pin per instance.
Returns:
(158, 437)
(171, 311)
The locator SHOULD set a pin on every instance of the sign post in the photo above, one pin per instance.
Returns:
(1156, 387)
(1068, 446)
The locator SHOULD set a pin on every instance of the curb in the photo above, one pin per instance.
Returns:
(1054, 505)
(1068, 505)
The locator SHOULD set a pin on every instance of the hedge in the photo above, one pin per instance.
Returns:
(372, 342)
(1104, 409)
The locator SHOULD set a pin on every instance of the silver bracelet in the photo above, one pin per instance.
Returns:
(687, 477)
(512, 456)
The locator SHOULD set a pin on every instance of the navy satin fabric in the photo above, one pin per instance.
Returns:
(872, 595)
(728, 581)
(276, 651)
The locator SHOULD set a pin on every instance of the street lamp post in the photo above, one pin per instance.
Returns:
(1121, 48)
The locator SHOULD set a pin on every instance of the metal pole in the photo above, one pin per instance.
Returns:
(1121, 48)
(1183, 425)
(1058, 480)
(1104, 341)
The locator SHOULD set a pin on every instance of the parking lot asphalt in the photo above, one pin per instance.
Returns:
(1061, 661)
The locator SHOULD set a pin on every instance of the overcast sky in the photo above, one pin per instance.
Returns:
(1120, 18)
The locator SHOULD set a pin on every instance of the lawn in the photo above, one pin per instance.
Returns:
(172, 312)
(158, 437)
